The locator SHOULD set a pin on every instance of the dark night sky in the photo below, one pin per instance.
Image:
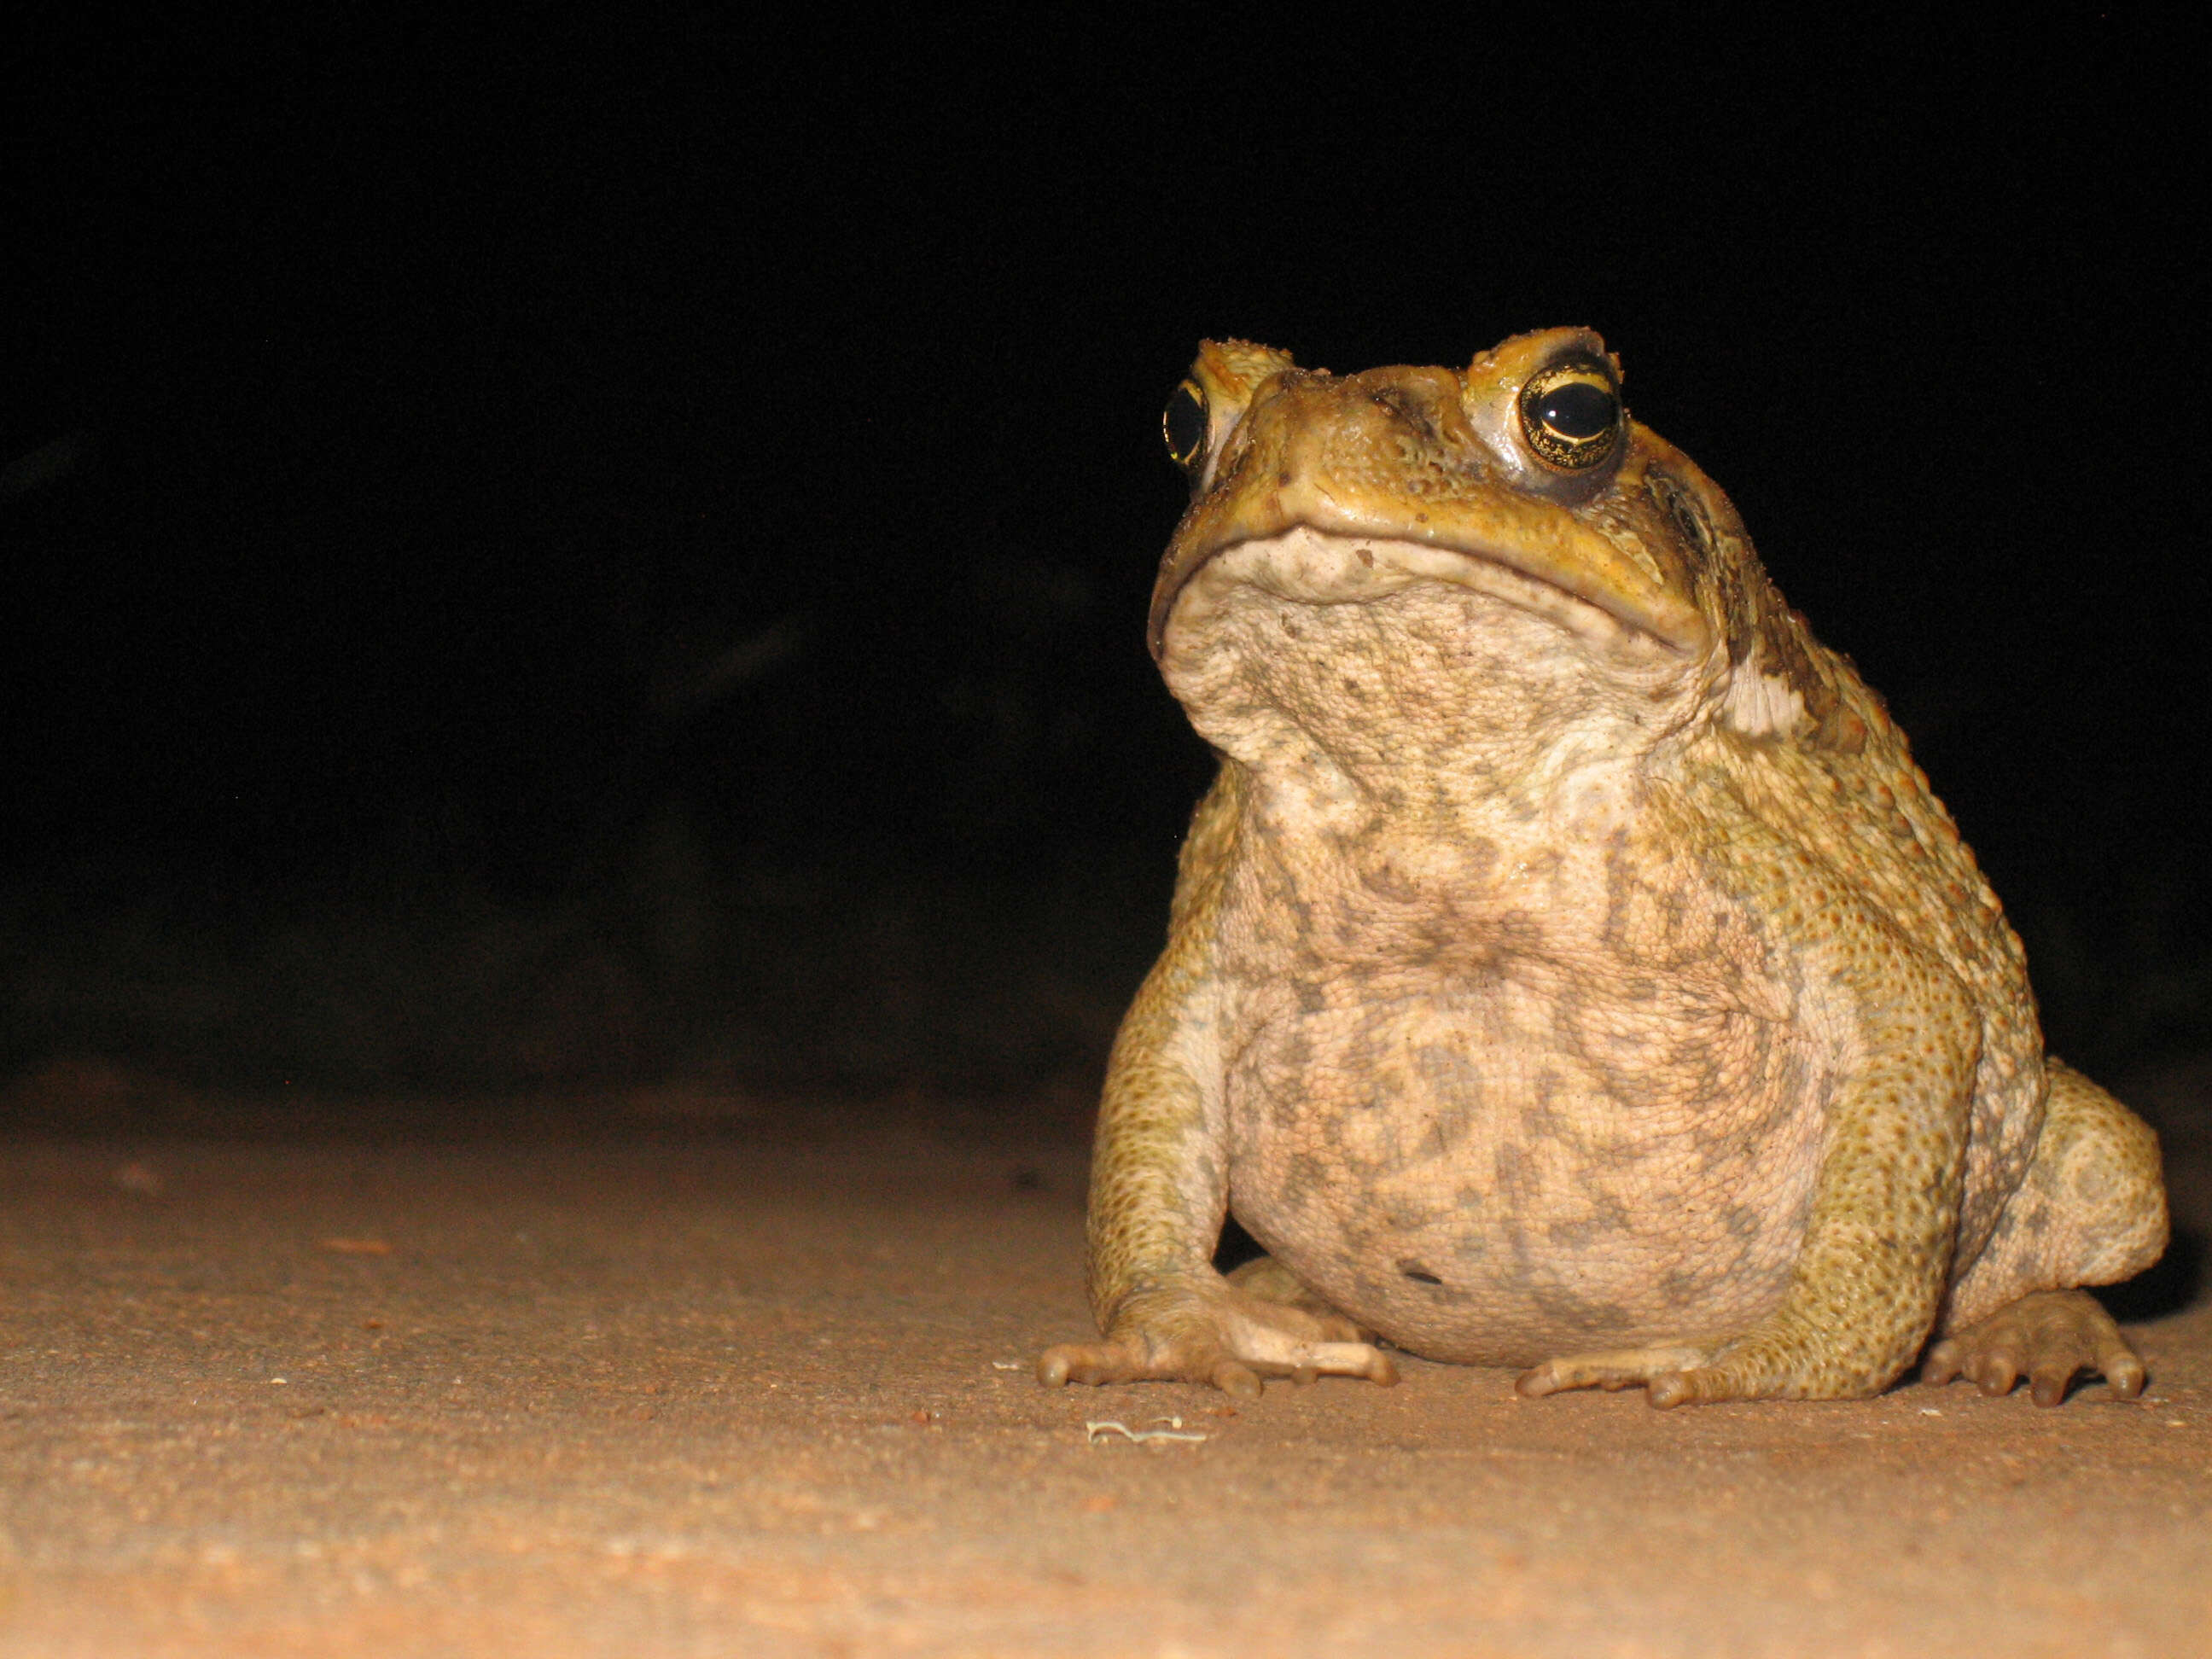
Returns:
(436, 406)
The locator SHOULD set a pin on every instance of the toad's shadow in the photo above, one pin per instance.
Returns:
(2172, 1283)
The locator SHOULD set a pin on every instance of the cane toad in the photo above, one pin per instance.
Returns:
(1569, 969)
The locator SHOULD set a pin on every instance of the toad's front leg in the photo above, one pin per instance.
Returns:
(1158, 1193)
(1159, 1188)
(1870, 1272)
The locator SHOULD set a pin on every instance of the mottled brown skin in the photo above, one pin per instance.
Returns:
(1569, 969)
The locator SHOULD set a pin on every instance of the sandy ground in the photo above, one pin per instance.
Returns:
(749, 1395)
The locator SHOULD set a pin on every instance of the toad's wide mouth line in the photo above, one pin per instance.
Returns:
(1309, 565)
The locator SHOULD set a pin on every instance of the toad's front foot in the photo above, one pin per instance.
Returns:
(1670, 1374)
(1211, 1333)
(2048, 1337)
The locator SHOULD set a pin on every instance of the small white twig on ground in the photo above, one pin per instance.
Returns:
(1094, 1432)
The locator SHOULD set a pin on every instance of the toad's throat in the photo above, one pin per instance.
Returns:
(1312, 566)
(1430, 683)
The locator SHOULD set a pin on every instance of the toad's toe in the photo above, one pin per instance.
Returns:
(1098, 1362)
(1660, 1368)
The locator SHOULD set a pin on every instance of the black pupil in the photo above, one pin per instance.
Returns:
(1577, 410)
(1185, 425)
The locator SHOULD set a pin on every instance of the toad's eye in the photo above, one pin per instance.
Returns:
(1570, 413)
(1184, 425)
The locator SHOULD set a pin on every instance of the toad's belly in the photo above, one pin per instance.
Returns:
(1501, 1176)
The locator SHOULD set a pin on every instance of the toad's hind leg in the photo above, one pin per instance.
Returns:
(2091, 1210)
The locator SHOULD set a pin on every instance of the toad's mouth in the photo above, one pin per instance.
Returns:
(1306, 565)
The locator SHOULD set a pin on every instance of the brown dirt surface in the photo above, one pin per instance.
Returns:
(768, 1392)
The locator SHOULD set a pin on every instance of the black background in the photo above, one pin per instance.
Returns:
(444, 457)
